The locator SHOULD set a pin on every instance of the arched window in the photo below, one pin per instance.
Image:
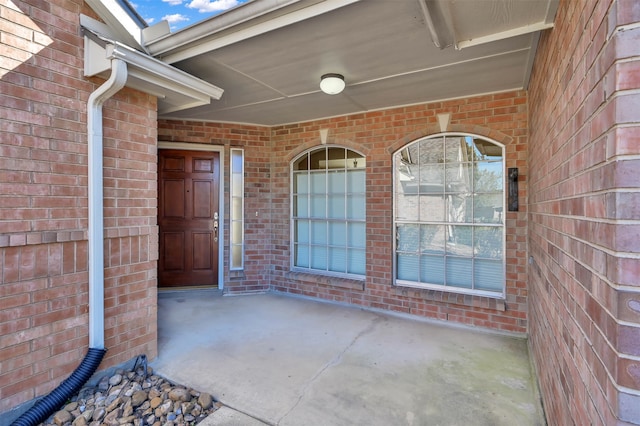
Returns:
(328, 211)
(449, 214)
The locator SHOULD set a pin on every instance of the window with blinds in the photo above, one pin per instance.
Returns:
(449, 214)
(329, 211)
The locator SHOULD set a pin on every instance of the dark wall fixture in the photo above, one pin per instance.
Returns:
(513, 189)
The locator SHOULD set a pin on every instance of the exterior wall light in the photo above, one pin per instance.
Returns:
(332, 84)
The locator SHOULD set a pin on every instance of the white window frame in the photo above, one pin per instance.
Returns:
(293, 219)
(443, 287)
(236, 217)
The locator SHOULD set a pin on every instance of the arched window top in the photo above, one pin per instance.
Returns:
(452, 147)
(329, 158)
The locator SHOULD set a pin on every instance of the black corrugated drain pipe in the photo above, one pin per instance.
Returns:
(42, 409)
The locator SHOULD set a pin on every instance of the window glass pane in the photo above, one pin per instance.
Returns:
(236, 256)
(357, 234)
(459, 272)
(336, 158)
(236, 184)
(356, 262)
(302, 163)
(431, 178)
(408, 266)
(301, 206)
(459, 208)
(458, 178)
(337, 182)
(318, 232)
(236, 230)
(337, 206)
(408, 238)
(302, 231)
(236, 208)
(337, 233)
(460, 240)
(488, 150)
(432, 208)
(337, 259)
(487, 177)
(301, 255)
(301, 183)
(430, 151)
(456, 150)
(488, 242)
(355, 181)
(407, 206)
(319, 257)
(356, 207)
(488, 275)
(236, 161)
(488, 208)
(355, 160)
(319, 206)
(318, 183)
(432, 238)
(432, 269)
(318, 159)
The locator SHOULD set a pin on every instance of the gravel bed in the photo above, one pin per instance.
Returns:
(133, 398)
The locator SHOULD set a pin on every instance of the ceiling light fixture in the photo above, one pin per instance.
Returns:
(332, 84)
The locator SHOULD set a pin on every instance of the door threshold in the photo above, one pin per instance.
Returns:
(189, 288)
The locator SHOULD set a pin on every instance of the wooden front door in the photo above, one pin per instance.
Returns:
(188, 217)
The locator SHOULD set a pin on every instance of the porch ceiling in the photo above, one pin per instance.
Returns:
(268, 55)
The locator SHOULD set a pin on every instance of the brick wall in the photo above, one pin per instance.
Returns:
(584, 214)
(502, 117)
(43, 205)
(268, 153)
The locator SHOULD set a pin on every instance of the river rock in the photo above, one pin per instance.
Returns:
(205, 400)
(62, 417)
(138, 398)
(179, 394)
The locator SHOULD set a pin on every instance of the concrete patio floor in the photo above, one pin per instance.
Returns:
(281, 360)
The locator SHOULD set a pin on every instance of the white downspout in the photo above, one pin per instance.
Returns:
(109, 88)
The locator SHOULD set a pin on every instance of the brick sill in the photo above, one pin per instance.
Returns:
(346, 283)
(471, 300)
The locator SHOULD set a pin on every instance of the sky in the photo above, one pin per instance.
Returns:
(181, 13)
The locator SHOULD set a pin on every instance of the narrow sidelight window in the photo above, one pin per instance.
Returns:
(236, 252)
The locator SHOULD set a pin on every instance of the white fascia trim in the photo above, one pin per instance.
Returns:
(163, 75)
(120, 20)
(225, 30)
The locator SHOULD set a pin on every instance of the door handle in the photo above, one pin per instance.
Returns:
(215, 230)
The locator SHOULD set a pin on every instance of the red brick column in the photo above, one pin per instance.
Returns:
(43, 205)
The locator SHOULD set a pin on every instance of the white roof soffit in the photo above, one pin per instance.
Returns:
(238, 24)
(443, 31)
(175, 89)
